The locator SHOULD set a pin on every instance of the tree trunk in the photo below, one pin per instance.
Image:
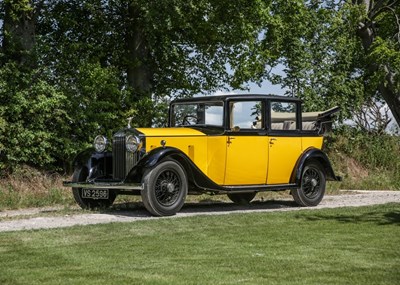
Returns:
(367, 35)
(139, 69)
(19, 32)
(139, 73)
(387, 89)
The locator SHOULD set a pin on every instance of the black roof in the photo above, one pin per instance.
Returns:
(234, 97)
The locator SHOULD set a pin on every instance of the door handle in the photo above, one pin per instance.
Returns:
(271, 141)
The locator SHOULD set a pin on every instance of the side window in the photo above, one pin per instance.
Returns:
(246, 115)
(283, 116)
(214, 115)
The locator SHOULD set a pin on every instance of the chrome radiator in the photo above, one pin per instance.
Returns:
(123, 161)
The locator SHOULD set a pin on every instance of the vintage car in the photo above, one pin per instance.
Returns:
(231, 144)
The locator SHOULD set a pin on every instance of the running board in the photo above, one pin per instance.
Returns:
(255, 188)
(104, 185)
(139, 186)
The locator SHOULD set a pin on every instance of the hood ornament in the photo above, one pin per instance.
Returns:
(129, 122)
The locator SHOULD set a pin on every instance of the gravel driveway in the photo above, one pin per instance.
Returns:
(44, 219)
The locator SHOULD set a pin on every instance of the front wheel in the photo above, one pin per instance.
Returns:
(312, 185)
(165, 189)
(80, 175)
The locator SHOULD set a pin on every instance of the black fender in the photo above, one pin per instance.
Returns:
(98, 164)
(151, 159)
(317, 155)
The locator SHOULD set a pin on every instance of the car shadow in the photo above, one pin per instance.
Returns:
(219, 206)
(137, 209)
(376, 217)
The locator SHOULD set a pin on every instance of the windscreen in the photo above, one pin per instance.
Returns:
(192, 114)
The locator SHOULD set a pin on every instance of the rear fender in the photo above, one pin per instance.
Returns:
(313, 154)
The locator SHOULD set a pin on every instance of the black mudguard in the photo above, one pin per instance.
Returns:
(317, 155)
(98, 164)
(150, 160)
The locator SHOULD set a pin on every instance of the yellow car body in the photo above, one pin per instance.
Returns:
(234, 144)
(233, 159)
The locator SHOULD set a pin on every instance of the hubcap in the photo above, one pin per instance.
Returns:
(314, 182)
(170, 187)
(311, 183)
(167, 187)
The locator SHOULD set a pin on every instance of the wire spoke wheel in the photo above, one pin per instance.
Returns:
(312, 185)
(165, 188)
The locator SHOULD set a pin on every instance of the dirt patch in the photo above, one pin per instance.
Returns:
(46, 218)
(355, 169)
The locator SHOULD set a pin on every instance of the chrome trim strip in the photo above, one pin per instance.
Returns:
(94, 185)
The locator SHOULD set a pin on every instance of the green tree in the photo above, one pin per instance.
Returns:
(18, 31)
(312, 42)
(378, 27)
(331, 52)
(100, 61)
(31, 108)
(97, 62)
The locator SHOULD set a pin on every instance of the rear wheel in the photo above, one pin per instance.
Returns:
(312, 185)
(242, 198)
(80, 175)
(165, 189)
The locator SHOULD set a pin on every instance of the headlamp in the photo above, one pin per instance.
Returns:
(133, 143)
(100, 143)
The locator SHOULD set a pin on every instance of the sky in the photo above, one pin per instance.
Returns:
(265, 88)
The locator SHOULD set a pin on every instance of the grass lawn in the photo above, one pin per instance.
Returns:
(332, 246)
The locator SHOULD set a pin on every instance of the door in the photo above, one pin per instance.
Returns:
(284, 141)
(246, 145)
(283, 154)
(246, 160)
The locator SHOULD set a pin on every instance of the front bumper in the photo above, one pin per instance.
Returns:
(104, 185)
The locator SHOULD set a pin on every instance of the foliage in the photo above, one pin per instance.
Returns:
(18, 6)
(370, 149)
(312, 42)
(366, 160)
(313, 50)
(83, 67)
(33, 116)
(83, 50)
(344, 246)
(378, 29)
(79, 85)
(189, 42)
(386, 54)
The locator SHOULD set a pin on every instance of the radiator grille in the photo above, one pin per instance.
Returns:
(123, 161)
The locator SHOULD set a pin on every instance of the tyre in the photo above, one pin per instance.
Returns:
(165, 188)
(312, 185)
(242, 198)
(80, 175)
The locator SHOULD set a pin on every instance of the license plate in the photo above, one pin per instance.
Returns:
(95, 193)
